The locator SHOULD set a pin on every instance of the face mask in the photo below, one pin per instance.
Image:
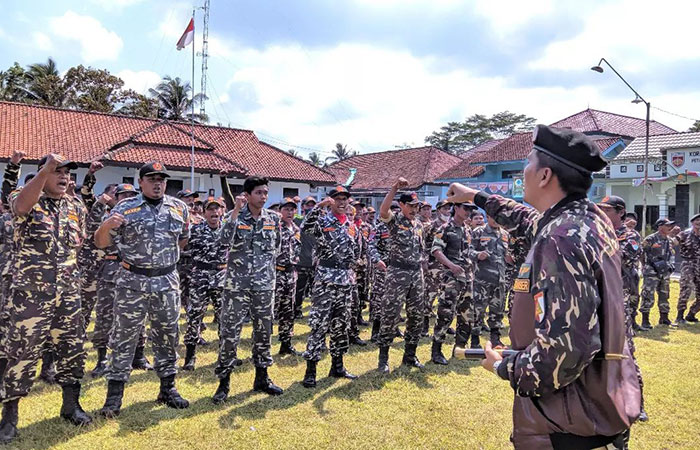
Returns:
(445, 217)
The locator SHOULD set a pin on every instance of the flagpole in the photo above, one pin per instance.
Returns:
(192, 116)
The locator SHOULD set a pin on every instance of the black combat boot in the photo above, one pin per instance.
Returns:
(495, 338)
(399, 333)
(635, 325)
(140, 362)
(436, 355)
(71, 409)
(101, 366)
(169, 396)
(338, 370)
(48, 368)
(475, 341)
(383, 362)
(376, 325)
(451, 331)
(221, 393)
(356, 340)
(361, 320)
(680, 320)
(8, 424)
(409, 357)
(263, 383)
(663, 319)
(286, 348)
(691, 318)
(646, 325)
(113, 403)
(310, 375)
(190, 358)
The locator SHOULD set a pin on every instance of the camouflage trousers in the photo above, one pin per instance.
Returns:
(653, 284)
(362, 286)
(330, 314)
(511, 274)
(38, 318)
(184, 269)
(403, 285)
(202, 294)
(88, 293)
(305, 281)
(234, 309)
(285, 289)
(630, 288)
(433, 285)
(377, 294)
(487, 295)
(131, 309)
(5, 283)
(690, 280)
(104, 316)
(456, 295)
(355, 311)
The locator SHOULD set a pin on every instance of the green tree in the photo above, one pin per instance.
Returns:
(315, 159)
(137, 105)
(477, 129)
(43, 84)
(340, 153)
(12, 84)
(293, 152)
(174, 102)
(695, 127)
(89, 89)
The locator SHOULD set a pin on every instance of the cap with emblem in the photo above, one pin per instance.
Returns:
(371, 210)
(274, 206)
(696, 216)
(631, 215)
(441, 203)
(467, 205)
(288, 201)
(214, 200)
(569, 147)
(153, 168)
(663, 221)
(309, 199)
(187, 193)
(62, 163)
(424, 205)
(613, 201)
(125, 187)
(409, 198)
(339, 190)
(395, 205)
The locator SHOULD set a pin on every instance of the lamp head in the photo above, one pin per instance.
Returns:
(637, 100)
(597, 69)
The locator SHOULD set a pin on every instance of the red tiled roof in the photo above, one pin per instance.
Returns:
(513, 148)
(86, 136)
(604, 143)
(378, 171)
(488, 145)
(592, 120)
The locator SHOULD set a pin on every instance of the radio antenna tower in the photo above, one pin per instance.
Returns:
(205, 55)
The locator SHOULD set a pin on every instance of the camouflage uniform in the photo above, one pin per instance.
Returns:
(657, 271)
(517, 249)
(249, 286)
(454, 241)
(404, 280)
(433, 276)
(147, 284)
(305, 268)
(690, 270)
(378, 251)
(287, 280)
(184, 268)
(208, 269)
(336, 250)
(359, 276)
(489, 278)
(89, 257)
(45, 300)
(7, 244)
(631, 251)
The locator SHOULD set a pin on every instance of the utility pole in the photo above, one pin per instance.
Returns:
(205, 56)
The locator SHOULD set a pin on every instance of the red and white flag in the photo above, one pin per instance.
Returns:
(187, 37)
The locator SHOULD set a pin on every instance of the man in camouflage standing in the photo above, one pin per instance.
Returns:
(45, 300)
(404, 277)
(490, 244)
(184, 265)
(331, 295)
(451, 245)
(657, 272)
(149, 231)
(306, 266)
(435, 269)
(252, 234)
(286, 282)
(689, 241)
(208, 268)
(379, 255)
(517, 252)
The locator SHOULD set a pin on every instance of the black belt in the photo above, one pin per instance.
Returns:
(403, 265)
(332, 264)
(148, 272)
(207, 266)
(285, 268)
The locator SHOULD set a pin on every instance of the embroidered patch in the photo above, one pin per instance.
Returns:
(525, 270)
(521, 285)
(244, 227)
(656, 246)
(132, 211)
(539, 306)
(73, 217)
(327, 229)
(268, 227)
(176, 211)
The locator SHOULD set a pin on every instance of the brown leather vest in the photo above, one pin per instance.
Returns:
(605, 399)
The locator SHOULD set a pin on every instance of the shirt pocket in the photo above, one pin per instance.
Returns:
(40, 227)
(176, 223)
(74, 234)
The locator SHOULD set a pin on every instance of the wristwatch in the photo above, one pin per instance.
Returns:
(495, 366)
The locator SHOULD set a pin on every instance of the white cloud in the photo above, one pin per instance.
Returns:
(42, 41)
(96, 42)
(140, 81)
(111, 5)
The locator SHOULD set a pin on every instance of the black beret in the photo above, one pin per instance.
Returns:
(339, 190)
(409, 198)
(569, 147)
(662, 222)
(614, 201)
(153, 168)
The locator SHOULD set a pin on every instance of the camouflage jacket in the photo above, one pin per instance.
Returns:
(517, 249)
(149, 239)
(406, 246)
(90, 257)
(291, 245)
(336, 247)
(253, 245)
(658, 252)
(430, 235)
(455, 242)
(362, 235)
(378, 248)
(689, 243)
(306, 254)
(569, 282)
(208, 250)
(47, 240)
(630, 248)
(493, 241)
(87, 193)
(9, 184)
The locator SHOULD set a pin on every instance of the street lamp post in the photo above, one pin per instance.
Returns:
(637, 99)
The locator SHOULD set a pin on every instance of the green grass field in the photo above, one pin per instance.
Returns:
(458, 406)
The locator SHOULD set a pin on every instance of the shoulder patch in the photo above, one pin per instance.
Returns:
(521, 285)
(132, 211)
(244, 227)
(525, 270)
(539, 306)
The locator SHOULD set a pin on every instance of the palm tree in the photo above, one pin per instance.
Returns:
(174, 102)
(293, 152)
(340, 153)
(315, 159)
(44, 84)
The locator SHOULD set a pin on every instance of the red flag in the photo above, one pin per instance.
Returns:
(187, 37)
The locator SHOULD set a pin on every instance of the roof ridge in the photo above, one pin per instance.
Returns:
(626, 116)
(595, 122)
(396, 150)
(296, 157)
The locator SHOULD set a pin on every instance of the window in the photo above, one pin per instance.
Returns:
(290, 192)
(640, 167)
(508, 174)
(128, 180)
(623, 169)
(236, 189)
(657, 167)
(173, 187)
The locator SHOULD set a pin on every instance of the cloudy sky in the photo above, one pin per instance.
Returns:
(375, 74)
